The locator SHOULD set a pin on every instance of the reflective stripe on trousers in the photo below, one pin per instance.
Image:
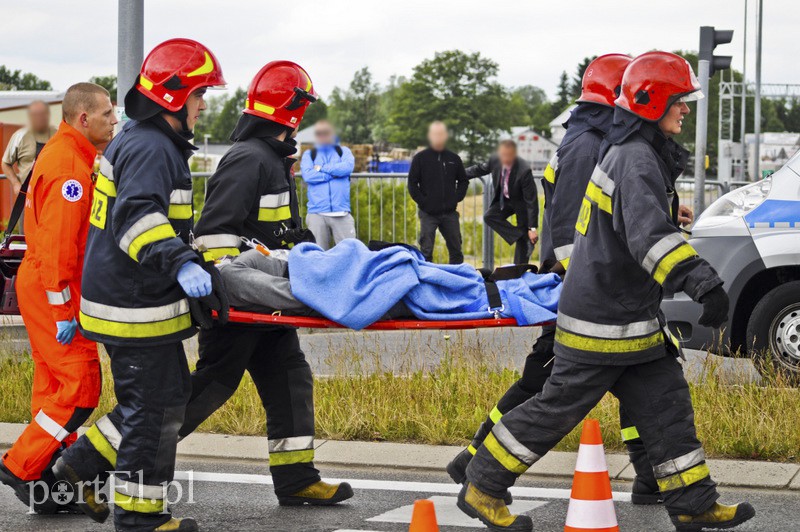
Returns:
(682, 471)
(105, 438)
(294, 450)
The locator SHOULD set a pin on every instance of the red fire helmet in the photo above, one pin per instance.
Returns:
(602, 78)
(656, 80)
(280, 92)
(176, 68)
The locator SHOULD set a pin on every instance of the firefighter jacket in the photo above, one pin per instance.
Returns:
(628, 250)
(566, 177)
(252, 194)
(57, 218)
(140, 225)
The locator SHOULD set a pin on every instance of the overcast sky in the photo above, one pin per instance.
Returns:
(532, 40)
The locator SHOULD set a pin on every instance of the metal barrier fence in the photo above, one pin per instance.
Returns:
(383, 210)
(713, 189)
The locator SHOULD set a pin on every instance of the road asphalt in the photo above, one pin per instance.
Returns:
(234, 495)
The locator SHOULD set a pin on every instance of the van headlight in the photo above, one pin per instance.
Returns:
(735, 204)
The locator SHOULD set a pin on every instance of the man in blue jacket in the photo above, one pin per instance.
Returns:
(326, 170)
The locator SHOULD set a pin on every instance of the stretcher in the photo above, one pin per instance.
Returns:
(255, 318)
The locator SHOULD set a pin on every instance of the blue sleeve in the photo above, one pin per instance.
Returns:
(344, 167)
(140, 224)
(308, 173)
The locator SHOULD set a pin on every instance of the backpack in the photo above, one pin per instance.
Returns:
(314, 152)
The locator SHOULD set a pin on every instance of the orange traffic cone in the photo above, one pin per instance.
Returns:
(424, 517)
(590, 505)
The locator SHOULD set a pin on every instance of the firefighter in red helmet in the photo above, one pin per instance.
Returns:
(139, 274)
(564, 183)
(252, 197)
(610, 333)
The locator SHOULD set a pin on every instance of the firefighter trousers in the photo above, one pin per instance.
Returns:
(538, 367)
(137, 441)
(285, 385)
(656, 397)
(66, 383)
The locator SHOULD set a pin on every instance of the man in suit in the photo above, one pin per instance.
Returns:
(514, 193)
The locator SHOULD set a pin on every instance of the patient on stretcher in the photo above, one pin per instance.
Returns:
(355, 286)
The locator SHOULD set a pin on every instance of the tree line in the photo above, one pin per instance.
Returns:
(458, 87)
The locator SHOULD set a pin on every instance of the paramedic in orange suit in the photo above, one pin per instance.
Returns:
(66, 381)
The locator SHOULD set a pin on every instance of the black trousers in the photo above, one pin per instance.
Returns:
(497, 217)
(656, 397)
(285, 385)
(448, 224)
(138, 439)
(538, 367)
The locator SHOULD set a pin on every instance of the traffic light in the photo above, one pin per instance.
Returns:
(709, 39)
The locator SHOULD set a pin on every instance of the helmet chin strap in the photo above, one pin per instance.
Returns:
(183, 117)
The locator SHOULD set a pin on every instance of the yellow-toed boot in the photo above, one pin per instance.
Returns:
(491, 511)
(717, 517)
(187, 524)
(318, 494)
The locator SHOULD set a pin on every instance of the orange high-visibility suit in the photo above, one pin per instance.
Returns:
(66, 380)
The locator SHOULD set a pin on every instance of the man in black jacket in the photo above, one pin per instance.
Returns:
(514, 193)
(437, 182)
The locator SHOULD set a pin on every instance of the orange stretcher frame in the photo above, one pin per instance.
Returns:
(255, 318)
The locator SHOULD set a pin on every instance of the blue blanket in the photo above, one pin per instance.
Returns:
(355, 287)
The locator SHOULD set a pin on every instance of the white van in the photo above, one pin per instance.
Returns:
(752, 237)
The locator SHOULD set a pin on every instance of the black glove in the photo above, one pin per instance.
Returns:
(297, 235)
(715, 308)
(217, 300)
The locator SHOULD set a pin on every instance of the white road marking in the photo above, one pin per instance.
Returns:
(384, 485)
(448, 514)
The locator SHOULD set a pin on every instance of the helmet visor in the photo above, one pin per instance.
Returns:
(691, 97)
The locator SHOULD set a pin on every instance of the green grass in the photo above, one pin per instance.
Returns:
(445, 404)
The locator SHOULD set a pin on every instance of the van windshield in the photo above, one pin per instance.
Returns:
(794, 163)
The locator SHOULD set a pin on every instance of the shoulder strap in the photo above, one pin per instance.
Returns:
(19, 204)
(493, 294)
(338, 149)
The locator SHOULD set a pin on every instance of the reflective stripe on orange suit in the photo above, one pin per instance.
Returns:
(66, 381)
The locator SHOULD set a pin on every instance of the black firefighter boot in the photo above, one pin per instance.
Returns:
(318, 494)
(718, 517)
(457, 468)
(186, 524)
(22, 489)
(86, 491)
(491, 511)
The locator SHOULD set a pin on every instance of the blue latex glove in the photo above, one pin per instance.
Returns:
(194, 280)
(66, 331)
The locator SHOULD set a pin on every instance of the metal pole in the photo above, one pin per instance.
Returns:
(700, 139)
(130, 48)
(744, 97)
(488, 235)
(757, 108)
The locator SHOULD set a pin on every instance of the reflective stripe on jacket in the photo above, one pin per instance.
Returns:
(140, 224)
(252, 195)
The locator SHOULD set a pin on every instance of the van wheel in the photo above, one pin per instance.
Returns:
(773, 333)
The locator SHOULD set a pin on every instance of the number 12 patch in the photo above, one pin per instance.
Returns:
(99, 209)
